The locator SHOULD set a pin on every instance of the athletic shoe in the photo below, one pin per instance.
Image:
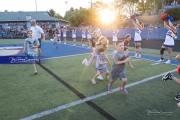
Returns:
(84, 61)
(167, 76)
(135, 55)
(178, 104)
(139, 56)
(124, 91)
(168, 62)
(93, 81)
(100, 77)
(109, 87)
(35, 72)
(64, 43)
(74, 45)
(177, 97)
(160, 60)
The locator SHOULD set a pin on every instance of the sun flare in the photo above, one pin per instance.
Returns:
(106, 16)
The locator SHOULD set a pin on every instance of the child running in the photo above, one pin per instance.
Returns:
(32, 45)
(169, 76)
(101, 67)
(118, 68)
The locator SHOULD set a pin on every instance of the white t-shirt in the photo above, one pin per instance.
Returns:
(37, 31)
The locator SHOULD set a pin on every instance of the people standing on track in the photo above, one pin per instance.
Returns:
(74, 36)
(37, 34)
(169, 41)
(137, 38)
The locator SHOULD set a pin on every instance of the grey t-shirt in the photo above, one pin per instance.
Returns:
(29, 42)
(119, 56)
(102, 59)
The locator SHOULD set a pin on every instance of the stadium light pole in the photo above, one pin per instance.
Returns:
(66, 10)
(36, 5)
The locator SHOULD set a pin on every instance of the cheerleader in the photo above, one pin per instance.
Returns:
(83, 36)
(114, 38)
(89, 36)
(169, 41)
(74, 36)
(64, 34)
(137, 38)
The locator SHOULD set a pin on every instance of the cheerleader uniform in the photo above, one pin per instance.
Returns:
(169, 40)
(114, 37)
(89, 35)
(137, 37)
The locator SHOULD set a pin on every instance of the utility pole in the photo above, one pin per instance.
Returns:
(36, 5)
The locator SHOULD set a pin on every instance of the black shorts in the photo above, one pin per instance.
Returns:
(39, 42)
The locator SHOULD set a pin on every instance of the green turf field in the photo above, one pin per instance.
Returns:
(23, 94)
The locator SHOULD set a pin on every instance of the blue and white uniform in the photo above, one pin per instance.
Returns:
(73, 34)
(83, 34)
(89, 35)
(137, 37)
(64, 34)
(114, 37)
(169, 40)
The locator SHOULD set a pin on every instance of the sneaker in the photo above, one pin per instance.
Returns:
(139, 56)
(167, 76)
(124, 91)
(135, 55)
(84, 61)
(109, 87)
(35, 72)
(65, 43)
(178, 104)
(93, 81)
(74, 45)
(100, 77)
(177, 97)
(168, 62)
(160, 60)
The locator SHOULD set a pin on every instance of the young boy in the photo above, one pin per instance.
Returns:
(118, 68)
(169, 76)
(101, 67)
(32, 45)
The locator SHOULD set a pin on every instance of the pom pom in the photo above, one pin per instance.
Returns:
(164, 16)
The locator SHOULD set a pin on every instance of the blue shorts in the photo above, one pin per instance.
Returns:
(102, 69)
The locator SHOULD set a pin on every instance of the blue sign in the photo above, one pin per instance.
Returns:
(171, 6)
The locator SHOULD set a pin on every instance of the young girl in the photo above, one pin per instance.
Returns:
(32, 45)
(102, 43)
(169, 41)
(137, 38)
(114, 38)
(101, 67)
(55, 39)
(64, 34)
(74, 36)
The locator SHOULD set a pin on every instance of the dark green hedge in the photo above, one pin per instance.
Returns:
(174, 12)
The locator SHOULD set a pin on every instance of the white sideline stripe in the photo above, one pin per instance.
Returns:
(47, 112)
(9, 48)
(155, 63)
(136, 59)
(65, 56)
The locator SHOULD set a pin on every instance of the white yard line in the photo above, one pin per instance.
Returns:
(136, 59)
(155, 63)
(53, 110)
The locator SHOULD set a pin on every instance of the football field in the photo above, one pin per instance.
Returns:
(62, 89)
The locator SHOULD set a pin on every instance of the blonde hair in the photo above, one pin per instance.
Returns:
(100, 39)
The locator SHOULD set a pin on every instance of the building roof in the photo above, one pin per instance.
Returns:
(22, 16)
